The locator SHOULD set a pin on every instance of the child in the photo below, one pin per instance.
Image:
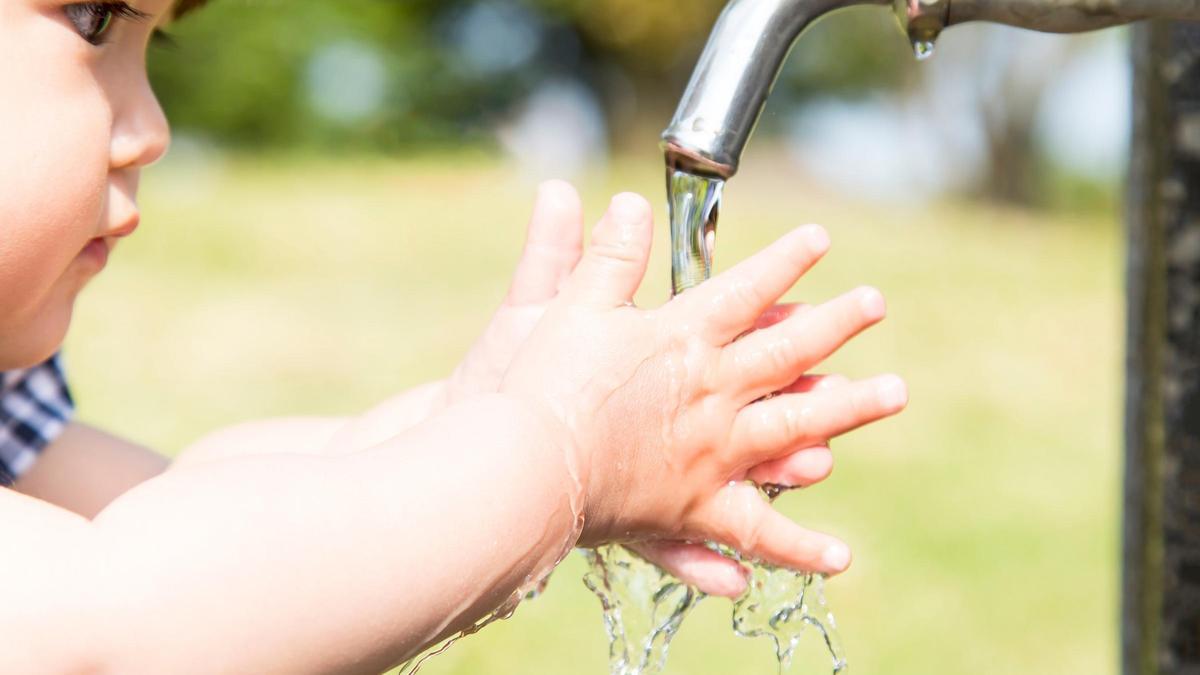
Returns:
(349, 545)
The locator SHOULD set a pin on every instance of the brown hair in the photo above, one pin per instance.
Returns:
(184, 6)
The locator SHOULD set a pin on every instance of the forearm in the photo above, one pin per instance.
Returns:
(319, 564)
(393, 416)
(320, 435)
(85, 469)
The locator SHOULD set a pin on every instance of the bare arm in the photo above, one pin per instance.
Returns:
(320, 435)
(85, 469)
(350, 563)
(291, 563)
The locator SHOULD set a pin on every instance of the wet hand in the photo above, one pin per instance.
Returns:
(553, 246)
(665, 410)
(714, 574)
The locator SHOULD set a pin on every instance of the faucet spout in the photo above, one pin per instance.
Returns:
(752, 39)
(734, 77)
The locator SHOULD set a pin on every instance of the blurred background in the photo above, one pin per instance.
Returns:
(346, 197)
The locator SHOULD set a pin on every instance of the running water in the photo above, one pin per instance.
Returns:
(643, 605)
(780, 605)
(695, 203)
(643, 608)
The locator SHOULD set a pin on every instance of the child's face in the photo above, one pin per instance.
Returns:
(77, 122)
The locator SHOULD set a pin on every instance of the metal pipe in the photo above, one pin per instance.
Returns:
(1069, 16)
(1161, 596)
(752, 39)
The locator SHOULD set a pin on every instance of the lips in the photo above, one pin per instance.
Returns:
(96, 251)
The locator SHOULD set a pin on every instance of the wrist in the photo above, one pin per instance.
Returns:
(593, 498)
(550, 472)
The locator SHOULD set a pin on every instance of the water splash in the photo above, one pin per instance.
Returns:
(643, 608)
(781, 605)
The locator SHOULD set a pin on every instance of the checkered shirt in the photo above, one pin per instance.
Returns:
(35, 406)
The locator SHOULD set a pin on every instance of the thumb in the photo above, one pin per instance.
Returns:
(552, 247)
(615, 264)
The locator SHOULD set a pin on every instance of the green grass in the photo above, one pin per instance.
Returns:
(984, 520)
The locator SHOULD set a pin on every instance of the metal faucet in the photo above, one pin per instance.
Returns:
(752, 38)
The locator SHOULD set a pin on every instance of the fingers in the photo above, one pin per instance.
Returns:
(732, 301)
(613, 267)
(553, 245)
(808, 383)
(810, 465)
(779, 314)
(697, 565)
(769, 359)
(801, 469)
(739, 517)
(763, 431)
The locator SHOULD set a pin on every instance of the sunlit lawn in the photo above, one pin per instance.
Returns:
(984, 521)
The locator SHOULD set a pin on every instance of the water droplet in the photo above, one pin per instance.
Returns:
(923, 49)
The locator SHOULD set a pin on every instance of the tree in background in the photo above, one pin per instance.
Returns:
(241, 70)
(372, 75)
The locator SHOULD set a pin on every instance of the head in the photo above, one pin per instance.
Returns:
(78, 122)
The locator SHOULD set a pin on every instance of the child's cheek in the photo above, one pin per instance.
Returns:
(53, 182)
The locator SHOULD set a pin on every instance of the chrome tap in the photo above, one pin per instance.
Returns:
(752, 39)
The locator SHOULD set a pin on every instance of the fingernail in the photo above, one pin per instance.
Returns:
(743, 572)
(627, 210)
(893, 393)
(816, 237)
(628, 205)
(873, 304)
(836, 557)
(738, 579)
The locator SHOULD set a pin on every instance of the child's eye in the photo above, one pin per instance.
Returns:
(92, 20)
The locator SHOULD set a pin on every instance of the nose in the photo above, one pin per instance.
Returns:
(140, 133)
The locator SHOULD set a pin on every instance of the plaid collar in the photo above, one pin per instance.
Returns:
(35, 407)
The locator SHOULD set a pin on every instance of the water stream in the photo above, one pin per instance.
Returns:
(643, 605)
(643, 608)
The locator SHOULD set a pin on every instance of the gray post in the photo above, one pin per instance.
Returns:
(1161, 590)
